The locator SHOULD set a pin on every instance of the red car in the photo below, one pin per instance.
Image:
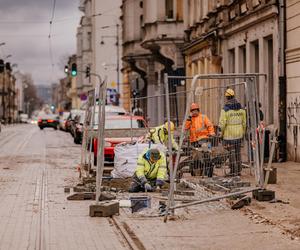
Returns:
(121, 123)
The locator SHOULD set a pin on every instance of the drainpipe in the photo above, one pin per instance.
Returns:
(282, 138)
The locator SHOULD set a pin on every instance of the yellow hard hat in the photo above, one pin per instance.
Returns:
(172, 126)
(229, 92)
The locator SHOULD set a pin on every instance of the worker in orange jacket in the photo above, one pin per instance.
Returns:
(199, 126)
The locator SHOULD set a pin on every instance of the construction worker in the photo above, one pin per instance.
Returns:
(160, 135)
(199, 126)
(232, 125)
(151, 171)
(200, 129)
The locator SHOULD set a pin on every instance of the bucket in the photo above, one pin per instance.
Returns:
(140, 202)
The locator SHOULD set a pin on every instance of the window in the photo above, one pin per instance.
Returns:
(242, 59)
(169, 9)
(254, 60)
(89, 40)
(231, 60)
(270, 71)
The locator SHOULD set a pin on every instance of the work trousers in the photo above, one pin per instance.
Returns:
(235, 159)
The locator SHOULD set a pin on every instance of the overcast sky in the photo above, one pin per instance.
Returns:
(24, 27)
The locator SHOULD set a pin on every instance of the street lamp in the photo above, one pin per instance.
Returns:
(117, 37)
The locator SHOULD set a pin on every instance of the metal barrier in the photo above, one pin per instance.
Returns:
(215, 154)
(86, 147)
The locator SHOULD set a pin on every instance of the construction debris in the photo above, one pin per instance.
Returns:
(245, 201)
(263, 195)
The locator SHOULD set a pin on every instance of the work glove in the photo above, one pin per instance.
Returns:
(159, 183)
(148, 187)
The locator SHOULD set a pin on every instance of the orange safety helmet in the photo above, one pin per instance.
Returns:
(194, 106)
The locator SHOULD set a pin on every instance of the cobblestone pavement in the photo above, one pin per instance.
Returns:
(34, 213)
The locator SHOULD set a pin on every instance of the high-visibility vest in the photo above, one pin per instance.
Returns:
(200, 127)
(151, 171)
(233, 124)
(159, 136)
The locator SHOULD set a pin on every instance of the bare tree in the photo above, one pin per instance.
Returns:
(31, 99)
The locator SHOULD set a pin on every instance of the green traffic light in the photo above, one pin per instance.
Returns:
(74, 73)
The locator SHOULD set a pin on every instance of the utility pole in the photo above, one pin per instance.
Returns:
(118, 58)
(3, 96)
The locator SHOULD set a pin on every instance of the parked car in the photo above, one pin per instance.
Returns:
(48, 121)
(62, 120)
(119, 127)
(71, 118)
(75, 121)
(78, 130)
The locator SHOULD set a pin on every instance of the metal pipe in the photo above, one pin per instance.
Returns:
(101, 129)
(172, 177)
(214, 198)
(219, 76)
(92, 123)
(282, 83)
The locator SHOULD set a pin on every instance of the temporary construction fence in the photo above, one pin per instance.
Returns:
(96, 101)
(215, 155)
(86, 148)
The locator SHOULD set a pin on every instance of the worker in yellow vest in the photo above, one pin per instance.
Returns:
(151, 171)
(232, 124)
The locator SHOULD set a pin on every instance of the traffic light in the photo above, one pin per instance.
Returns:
(87, 72)
(74, 69)
(1, 66)
(66, 69)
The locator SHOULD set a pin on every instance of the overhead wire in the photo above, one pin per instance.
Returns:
(50, 40)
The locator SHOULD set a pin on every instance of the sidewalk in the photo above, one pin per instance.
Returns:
(262, 225)
(287, 189)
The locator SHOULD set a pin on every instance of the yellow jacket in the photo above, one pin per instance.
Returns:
(159, 136)
(149, 170)
(232, 121)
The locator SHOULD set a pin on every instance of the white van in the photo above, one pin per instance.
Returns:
(23, 118)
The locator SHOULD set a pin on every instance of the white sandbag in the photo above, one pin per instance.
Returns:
(126, 156)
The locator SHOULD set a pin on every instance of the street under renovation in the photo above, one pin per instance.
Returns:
(149, 124)
(36, 166)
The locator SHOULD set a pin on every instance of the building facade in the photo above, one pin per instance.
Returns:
(152, 40)
(107, 46)
(8, 110)
(84, 49)
(234, 37)
(293, 78)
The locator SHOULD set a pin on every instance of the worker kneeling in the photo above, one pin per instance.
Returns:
(151, 171)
